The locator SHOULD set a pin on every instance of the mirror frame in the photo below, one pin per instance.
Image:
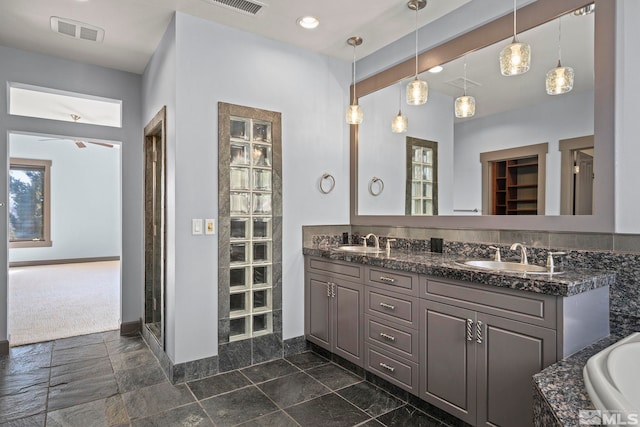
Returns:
(530, 16)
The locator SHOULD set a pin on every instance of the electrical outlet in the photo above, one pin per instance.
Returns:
(209, 226)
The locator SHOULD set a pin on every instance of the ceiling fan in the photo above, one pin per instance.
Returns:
(79, 143)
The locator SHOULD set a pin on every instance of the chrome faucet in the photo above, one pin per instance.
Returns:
(496, 256)
(375, 239)
(523, 252)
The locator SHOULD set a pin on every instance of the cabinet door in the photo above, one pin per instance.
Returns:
(509, 354)
(348, 300)
(447, 359)
(317, 301)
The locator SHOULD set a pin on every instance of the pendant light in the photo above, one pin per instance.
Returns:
(515, 58)
(354, 112)
(560, 79)
(417, 90)
(400, 122)
(465, 106)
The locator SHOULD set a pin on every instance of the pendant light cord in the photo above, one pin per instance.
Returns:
(514, 19)
(353, 100)
(464, 83)
(559, 40)
(417, 8)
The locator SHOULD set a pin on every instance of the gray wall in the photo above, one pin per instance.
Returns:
(43, 70)
(199, 64)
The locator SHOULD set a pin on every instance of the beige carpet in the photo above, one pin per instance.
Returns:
(58, 301)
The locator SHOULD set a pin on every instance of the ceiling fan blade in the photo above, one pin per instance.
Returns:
(103, 144)
(81, 144)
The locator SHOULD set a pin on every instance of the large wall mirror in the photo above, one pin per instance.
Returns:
(511, 112)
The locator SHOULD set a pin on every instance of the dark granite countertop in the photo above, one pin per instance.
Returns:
(562, 384)
(570, 282)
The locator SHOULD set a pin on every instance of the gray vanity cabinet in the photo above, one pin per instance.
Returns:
(479, 350)
(334, 302)
(391, 326)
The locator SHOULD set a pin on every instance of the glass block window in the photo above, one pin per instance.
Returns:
(251, 217)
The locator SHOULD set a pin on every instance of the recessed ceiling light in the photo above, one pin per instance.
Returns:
(436, 69)
(308, 22)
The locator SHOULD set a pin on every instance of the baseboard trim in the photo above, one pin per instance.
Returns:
(62, 261)
(4, 347)
(131, 328)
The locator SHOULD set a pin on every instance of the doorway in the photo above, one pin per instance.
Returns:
(154, 219)
(576, 192)
(64, 232)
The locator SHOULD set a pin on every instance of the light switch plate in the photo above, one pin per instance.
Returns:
(196, 226)
(209, 226)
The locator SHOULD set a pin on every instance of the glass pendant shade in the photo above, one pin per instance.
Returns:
(400, 123)
(417, 92)
(465, 106)
(515, 58)
(559, 80)
(354, 115)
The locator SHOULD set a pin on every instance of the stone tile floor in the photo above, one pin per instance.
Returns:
(109, 380)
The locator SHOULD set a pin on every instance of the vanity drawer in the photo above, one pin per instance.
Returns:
(391, 306)
(394, 338)
(530, 307)
(397, 281)
(345, 270)
(394, 369)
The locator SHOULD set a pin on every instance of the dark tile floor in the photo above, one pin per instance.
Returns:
(109, 380)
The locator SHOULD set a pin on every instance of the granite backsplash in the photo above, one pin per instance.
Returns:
(624, 294)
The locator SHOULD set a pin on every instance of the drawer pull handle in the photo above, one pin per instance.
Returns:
(387, 367)
(387, 279)
(389, 306)
(479, 332)
(387, 336)
(469, 330)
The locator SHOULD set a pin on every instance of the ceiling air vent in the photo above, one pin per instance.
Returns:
(244, 6)
(76, 29)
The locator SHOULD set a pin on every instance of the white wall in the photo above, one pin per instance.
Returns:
(85, 199)
(562, 117)
(627, 153)
(159, 90)
(214, 64)
(382, 153)
(47, 71)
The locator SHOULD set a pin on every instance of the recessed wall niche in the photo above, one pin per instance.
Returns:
(250, 239)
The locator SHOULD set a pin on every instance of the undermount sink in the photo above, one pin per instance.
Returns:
(359, 249)
(511, 267)
(612, 376)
